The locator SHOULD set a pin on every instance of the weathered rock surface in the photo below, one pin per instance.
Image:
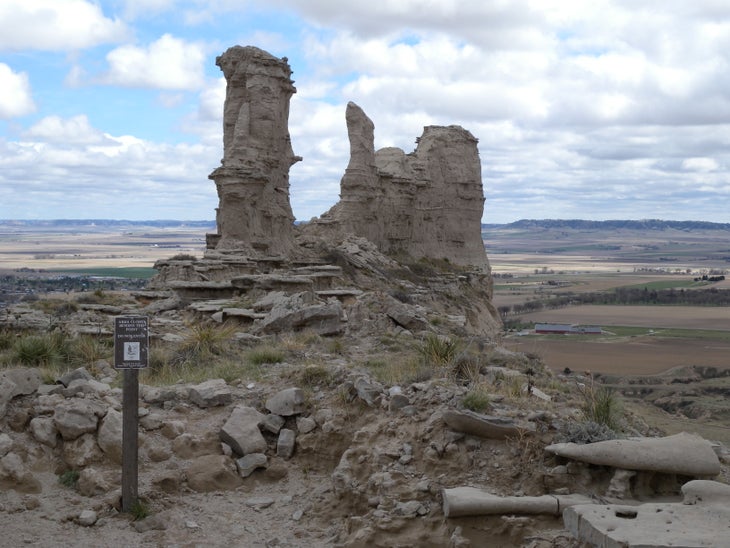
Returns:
(110, 435)
(76, 418)
(424, 207)
(484, 426)
(428, 203)
(286, 403)
(701, 520)
(470, 501)
(211, 393)
(254, 213)
(212, 473)
(685, 454)
(241, 431)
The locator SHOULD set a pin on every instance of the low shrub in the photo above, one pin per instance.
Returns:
(202, 342)
(69, 478)
(585, 432)
(476, 400)
(263, 355)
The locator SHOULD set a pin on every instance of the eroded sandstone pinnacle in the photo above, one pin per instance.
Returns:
(427, 203)
(254, 212)
(403, 220)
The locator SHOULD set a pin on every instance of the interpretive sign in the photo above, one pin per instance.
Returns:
(131, 353)
(131, 342)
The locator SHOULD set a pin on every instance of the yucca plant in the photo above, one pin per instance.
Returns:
(601, 405)
(204, 341)
(39, 350)
(438, 351)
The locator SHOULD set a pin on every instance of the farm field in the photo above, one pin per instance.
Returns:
(90, 246)
(654, 317)
(641, 355)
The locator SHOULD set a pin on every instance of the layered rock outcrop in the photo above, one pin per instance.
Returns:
(254, 213)
(428, 203)
(403, 221)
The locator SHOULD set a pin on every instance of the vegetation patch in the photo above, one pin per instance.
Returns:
(132, 272)
(437, 350)
(477, 400)
(69, 478)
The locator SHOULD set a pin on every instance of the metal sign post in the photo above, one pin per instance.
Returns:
(131, 353)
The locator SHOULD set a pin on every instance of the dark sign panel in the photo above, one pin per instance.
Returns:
(131, 342)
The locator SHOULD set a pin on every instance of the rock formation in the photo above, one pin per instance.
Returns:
(428, 203)
(406, 221)
(254, 213)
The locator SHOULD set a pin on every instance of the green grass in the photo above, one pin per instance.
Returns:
(675, 333)
(143, 272)
(477, 400)
(69, 478)
(673, 283)
(263, 355)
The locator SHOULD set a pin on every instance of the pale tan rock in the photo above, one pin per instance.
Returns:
(685, 454)
(470, 501)
(254, 213)
(109, 436)
(212, 473)
(428, 203)
(700, 520)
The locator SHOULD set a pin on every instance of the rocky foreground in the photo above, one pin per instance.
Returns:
(321, 453)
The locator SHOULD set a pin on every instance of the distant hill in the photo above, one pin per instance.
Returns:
(68, 223)
(578, 224)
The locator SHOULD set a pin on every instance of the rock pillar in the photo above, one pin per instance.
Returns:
(254, 215)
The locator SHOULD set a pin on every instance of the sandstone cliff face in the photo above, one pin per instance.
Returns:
(254, 213)
(428, 203)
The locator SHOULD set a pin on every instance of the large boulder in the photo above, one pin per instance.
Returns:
(77, 417)
(241, 431)
(212, 473)
(110, 435)
(286, 403)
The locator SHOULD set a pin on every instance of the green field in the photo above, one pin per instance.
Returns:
(112, 272)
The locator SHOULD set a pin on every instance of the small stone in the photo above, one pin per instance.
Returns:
(247, 464)
(259, 503)
(305, 425)
(297, 515)
(285, 444)
(273, 423)
(398, 402)
(87, 518)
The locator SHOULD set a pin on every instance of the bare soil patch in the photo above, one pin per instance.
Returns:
(630, 356)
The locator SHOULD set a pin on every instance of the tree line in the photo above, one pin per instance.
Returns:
(625, 296)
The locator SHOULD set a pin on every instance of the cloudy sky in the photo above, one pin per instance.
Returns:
(601, 109)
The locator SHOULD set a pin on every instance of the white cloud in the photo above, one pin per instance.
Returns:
(56, 25)
(15, 99)
(70, 131)
(167, 63)
(99, 175)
